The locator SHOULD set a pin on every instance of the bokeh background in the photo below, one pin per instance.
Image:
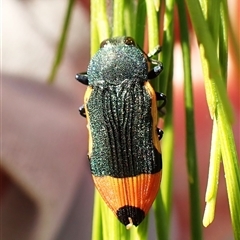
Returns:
(46, 187)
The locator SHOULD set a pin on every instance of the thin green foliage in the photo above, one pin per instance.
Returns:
(223, 40)
(139, 29)
(163, 202)
(118, 18)
(100, 29)
(153, 32)
(129, 18)
(153, 29)
(97, 232)
(231, 168)
(209, 53)
(168, 42)
(193, 180)
(213, 176)
(62, 42)
(215, 72)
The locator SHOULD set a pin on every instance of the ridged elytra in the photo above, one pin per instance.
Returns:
(120, 106)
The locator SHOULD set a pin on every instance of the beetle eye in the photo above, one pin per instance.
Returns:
(104, 42)
(129, 41)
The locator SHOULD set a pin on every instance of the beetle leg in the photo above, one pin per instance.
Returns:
(82, 111)
(155, 51)
(156, 70)
(161, 97)
(159, 66)
(82, 78)
(159, 133)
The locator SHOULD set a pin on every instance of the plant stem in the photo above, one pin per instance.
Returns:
(195, 213)
(62, 42)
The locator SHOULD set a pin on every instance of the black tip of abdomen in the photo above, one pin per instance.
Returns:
(129, 214)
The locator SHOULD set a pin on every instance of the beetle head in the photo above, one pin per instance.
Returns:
(118, 60)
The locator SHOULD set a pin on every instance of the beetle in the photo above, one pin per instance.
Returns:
(121, 110)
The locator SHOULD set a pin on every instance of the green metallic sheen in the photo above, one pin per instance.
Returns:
(119, 110)
(115, 63)
(121, 128)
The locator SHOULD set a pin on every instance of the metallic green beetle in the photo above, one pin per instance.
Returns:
(122, 114)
